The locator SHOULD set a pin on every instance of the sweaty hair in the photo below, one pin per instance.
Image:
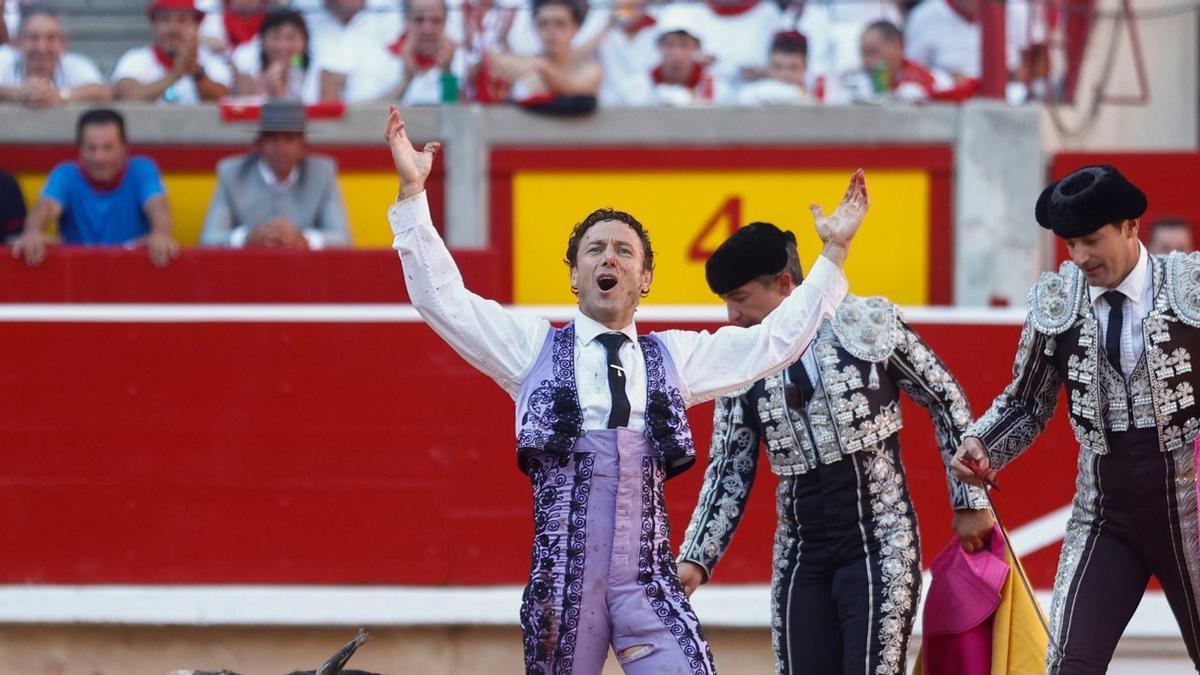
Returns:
(284, 17)
(887, 30)
(99, 116)
(793, 264)
(578, 8)
(790, 42)
(599, 216)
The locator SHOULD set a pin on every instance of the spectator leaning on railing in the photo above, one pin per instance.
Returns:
(39, 72)
(176, 68)
(561, 80)
(106, 197)
(278, 195)
(787, 74)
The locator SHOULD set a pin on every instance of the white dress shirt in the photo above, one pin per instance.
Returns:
(504, 344)
(140, 64)
(1139, 300)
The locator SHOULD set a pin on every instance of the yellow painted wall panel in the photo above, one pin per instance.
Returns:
(890, 256)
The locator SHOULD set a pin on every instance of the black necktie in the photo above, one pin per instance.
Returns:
(619, 415)
(799, 377)
(1112, 335)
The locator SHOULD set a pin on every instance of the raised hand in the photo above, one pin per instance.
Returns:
(31, 246)
(411, 166)
(187, 58)
(838, 228)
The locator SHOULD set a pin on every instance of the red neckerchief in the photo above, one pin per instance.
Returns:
(106, 186)
(241, 28)
(165, 61)
(915, 73)
(692, 80)
(645, 22)
(487, 88)
(424, 61)
(732, 10)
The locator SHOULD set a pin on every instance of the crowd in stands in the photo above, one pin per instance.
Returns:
(277, 195)
(553, 56)
(550, 56)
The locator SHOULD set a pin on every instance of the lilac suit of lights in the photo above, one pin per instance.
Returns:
(601, 566)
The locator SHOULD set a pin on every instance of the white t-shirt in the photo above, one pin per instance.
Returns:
(140, 64)
(737, 42)
(336, 46)
(940, 38)
(377, 73)
(74, 70)
(247, 60)
(626, 60)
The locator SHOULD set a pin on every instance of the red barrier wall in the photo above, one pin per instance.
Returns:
(337, 453)
(1167, 178)
(212, 275)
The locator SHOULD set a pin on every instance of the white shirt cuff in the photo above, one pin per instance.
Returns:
(830, 279)
(409, 214)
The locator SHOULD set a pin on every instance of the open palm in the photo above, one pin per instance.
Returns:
(411, 166)
(839, 227)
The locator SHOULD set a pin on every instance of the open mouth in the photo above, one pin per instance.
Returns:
(606, 282)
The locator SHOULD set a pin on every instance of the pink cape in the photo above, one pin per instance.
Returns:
(963, 595)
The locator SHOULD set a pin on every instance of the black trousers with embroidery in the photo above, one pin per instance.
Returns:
(847, 572)
(1134, 517)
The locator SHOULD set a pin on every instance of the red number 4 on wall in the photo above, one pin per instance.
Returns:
(729, 213)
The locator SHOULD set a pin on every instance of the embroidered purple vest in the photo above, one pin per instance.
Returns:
(550, 419)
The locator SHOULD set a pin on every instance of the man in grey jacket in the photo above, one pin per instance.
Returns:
(277, 195)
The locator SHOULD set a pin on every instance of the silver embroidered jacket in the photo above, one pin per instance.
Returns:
(866, 356)
(1060, 346)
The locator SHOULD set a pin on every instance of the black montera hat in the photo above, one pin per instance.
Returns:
(1088, 199)
(754, 250)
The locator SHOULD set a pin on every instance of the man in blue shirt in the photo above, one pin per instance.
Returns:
(106, 197)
